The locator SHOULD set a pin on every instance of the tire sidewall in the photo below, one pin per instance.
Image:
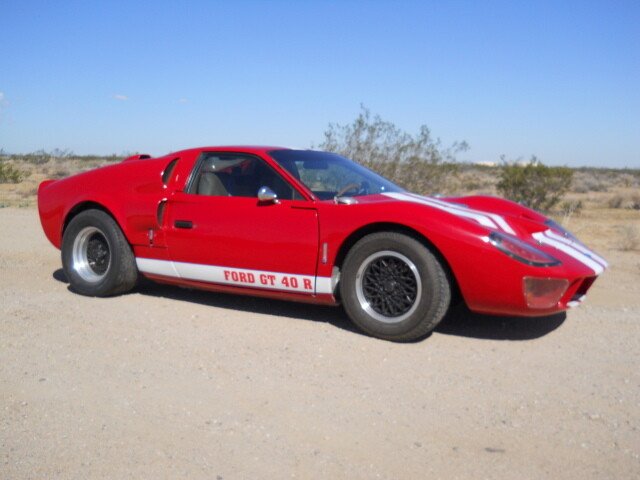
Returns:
(428, 269)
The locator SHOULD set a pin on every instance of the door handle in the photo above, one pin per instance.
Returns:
(183, 224)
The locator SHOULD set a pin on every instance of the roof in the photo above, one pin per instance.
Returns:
(235, 148)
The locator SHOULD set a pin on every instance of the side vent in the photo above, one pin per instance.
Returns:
(160, 212)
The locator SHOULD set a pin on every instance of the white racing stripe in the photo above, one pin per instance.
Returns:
(577, 246)
(571, 251)
(502, 223)
(497, 219)
(241, 277)
(490, 220)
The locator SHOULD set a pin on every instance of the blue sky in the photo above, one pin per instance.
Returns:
(560, 80)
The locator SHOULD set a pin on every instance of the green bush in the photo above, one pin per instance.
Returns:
(534, 184)
(10, 174)
(417, 162)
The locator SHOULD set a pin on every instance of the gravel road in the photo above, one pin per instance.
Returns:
(172, 383)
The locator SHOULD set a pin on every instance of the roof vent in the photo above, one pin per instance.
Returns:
(142, 156)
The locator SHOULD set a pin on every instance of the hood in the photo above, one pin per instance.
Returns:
(510, 218)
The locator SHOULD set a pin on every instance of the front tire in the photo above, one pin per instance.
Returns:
(96, 257)
(393, 287)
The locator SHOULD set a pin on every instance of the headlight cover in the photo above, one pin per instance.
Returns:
(563, 231)
(522, 251)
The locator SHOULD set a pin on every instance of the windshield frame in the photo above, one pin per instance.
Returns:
(355, 167)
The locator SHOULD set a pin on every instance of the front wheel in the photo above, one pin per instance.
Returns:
(393, 287)
(96, 256)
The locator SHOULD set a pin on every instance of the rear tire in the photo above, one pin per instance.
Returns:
(96, 257)
(393, 287)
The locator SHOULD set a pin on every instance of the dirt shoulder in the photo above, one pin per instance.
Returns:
(171, 383)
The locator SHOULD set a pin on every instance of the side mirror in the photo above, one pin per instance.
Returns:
(266, 195)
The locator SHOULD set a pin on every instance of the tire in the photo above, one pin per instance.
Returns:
(393, 287)
(96, 257)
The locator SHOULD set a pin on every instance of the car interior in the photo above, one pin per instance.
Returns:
(240, 176)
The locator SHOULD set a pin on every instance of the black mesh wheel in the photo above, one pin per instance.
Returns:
(393, 287)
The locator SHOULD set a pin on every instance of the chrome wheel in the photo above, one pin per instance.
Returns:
(91, 254)
(388, 286)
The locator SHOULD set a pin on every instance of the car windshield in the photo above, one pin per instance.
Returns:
(329, 175)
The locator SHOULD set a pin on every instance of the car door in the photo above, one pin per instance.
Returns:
(218, 231)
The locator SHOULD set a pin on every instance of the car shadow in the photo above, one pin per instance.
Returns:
(458, 321)
(462, 322)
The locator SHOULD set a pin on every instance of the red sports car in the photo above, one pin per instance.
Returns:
(314, 227)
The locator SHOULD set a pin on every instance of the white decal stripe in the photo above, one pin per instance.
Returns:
(324, 285)
(572, 252)
(502, 223)
(577, 246)
(158, 267)
(497, 219)
(236, 276)
(480, 218)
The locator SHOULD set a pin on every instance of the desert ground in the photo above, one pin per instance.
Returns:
(172, 383)
(167, 382)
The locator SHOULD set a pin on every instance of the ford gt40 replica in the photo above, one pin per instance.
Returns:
(314, 227)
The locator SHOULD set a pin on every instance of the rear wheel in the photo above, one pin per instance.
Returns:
(393, 287)
(96, 256)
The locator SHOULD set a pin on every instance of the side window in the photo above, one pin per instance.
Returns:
(237, 175)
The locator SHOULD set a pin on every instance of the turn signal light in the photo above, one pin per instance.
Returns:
(544, 292)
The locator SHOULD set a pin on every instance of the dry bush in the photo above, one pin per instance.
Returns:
(589, 179)
(629, 238)
(60, 172)
(616, 201)
(534, 184)
(475, 178)
(10, 173)
(30, 192)
(417, 162)
(570, 208)
(588, 182)
(630, 202)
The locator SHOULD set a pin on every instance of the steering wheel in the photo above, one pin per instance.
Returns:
(348, 187)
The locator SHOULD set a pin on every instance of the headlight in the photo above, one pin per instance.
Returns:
(522, 251)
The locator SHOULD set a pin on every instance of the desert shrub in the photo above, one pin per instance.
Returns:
(534, 184)
(10, 174)
(39, 157)
(417, 162)
(616, 201)
(631, 202)
(585, 182)
(30, 193)
(629, 238)
(472, 183)
(60, 172)
(571, 207)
